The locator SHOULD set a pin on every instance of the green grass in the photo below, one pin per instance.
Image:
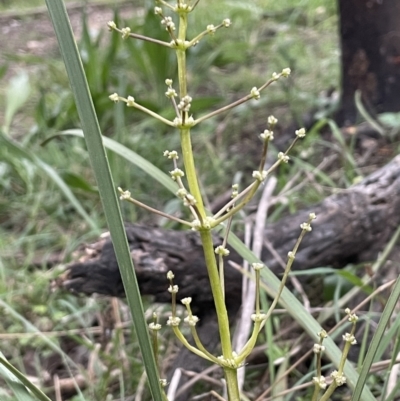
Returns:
(37, 220)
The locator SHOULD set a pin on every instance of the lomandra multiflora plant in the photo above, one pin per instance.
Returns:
(190, 194)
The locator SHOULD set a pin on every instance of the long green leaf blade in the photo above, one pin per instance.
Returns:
(105, 183)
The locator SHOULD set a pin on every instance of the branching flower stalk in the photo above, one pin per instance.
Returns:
(192, 197)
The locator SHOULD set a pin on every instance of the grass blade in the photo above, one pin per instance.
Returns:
(105, 183)
(21, 153)
(134, 158)
(379, 333)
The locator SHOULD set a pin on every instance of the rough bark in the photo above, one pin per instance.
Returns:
(369, 36)
(351, 226)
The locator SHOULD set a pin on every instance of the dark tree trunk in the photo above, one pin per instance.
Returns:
(370, 42)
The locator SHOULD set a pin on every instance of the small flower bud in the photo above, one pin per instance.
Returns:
(186, 301)
(226, 22)
(322, 334)
(306, 227)
(320, 382)
(220, 250)
(339, 378)
(291, 255)
(173, 289)
(168, 82)
(285, 72)
(312, 216)
(267, 135)
(275, 75)
(173, 321)
(211, 29)
(130, 101)
(301, 133)
(170, 93)
(349, 338)
(191, 320)
(125, 32)
(255, 93)
(177, 173)
(259, 176)
(154, 326)
(169, 24)
(163, 382)
(111, 25)
(170, 275)
(124, 194)
(257, 266)
(157, 10)
(114, 97)
(181, 193)
(173, 154)
(318, 348)
(282, 157)
(272, 120)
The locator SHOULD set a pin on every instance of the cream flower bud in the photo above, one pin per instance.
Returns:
(318, 348)
(259, 176)
(111, 25)
(258, 317)
(305, 226)
(154, 326)
(211, 29)
(130, 101)
(275, 75)
(125, 32)
(286, 72)
(191, 320)
(186, 301)
(157, 10)
(257, 266)
(267, 135)
(301, 133)
(163, 382)
(320, 382)
(173, 289)
(255, 93)
(177, 173)
(272, 120)
(340, 379)
(282, 157)
(114, 97)
(226, 22)
(220, 250)
(173, 321)
(312, 216)
(170, 275)
(349, 338)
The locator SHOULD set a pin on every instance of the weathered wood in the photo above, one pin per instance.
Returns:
(351, 226)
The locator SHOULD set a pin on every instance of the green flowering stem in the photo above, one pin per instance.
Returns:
(142, 37)
(201, 347)
(190, 169)
(233, 105)
(196, 351)
(125, 195)
(222, 314)
(147, 111)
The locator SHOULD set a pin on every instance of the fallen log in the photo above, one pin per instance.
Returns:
(352, 226)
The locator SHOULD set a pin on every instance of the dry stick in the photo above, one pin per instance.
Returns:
(309, 352)
(244, 325)
(57, 388)
(393, 379)
(141, 386)
(197, 377)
